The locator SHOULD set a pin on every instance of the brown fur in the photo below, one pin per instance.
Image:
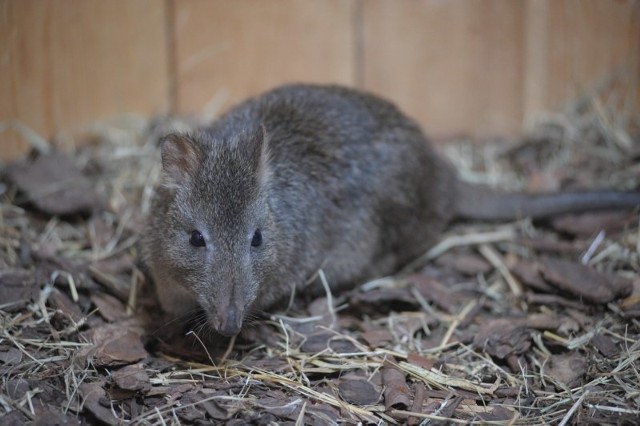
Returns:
(332, 177)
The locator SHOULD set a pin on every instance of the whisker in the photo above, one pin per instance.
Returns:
(184, 318)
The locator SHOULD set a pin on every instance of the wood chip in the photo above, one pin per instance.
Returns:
(501, 338)
(583, 281)
(117, 344)
(316, 342)
(433, 291)
(11, 356)
(382, 300)
(109, 307)
(358, 391)
(60, 301)
(416, 406)
(588, 224)
(54, 184)
(605, 345)
(377, 338)
(215, 410)
(529, 274)
(498, 414)
(132, 378)
(568, 369)
(94, 399)
(396, 390)
(465, 263)
(420, 360)
(18, 285)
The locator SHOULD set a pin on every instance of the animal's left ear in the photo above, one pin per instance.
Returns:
(181, 158)
(260, 153)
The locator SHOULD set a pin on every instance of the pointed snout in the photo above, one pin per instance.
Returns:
(228, 322)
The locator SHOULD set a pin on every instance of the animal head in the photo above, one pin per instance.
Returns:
(220, 233)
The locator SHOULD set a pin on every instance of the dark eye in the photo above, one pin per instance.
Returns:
(257, 238)
(197, 240)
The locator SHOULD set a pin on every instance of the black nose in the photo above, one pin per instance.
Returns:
(229, 322)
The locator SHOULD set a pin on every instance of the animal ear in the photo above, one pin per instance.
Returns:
(261, 153)
(181, 157)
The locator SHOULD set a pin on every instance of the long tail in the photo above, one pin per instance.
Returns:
(482, 203)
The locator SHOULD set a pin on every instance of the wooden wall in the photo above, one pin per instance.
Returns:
(67, 63)
(481, 67)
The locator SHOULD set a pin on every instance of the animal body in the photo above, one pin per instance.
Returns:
(304, 178)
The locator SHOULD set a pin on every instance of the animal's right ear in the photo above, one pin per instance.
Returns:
(181, 157)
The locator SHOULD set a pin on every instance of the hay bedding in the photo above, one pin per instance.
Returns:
(515, 323)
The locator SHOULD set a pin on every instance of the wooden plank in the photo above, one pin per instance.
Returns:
(226, 51)
(536, 61)
(454, 66)
(481, 68)
(591, 41)
(66, 63)
(576, 47)
(490, 67)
